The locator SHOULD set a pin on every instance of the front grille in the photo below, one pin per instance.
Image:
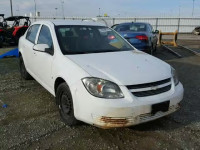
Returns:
(139, 86)
(150, 89)
(152, 92)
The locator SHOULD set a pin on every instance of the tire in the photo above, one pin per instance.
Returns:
(24, 74)
(151, 49)
(155, 47)
(65, 103)
(1, 41)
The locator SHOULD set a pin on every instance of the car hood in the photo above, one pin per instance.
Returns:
(123, 68)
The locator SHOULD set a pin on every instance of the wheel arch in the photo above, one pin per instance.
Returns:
(57, 82)
(20, 54)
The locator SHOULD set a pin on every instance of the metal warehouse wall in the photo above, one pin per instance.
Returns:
(184, 25)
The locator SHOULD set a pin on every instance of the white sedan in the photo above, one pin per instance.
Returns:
(96, 76)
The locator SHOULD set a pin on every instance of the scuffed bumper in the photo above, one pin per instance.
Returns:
(124, 112)
(112, 122)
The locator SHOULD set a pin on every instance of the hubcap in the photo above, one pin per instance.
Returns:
(65, 104)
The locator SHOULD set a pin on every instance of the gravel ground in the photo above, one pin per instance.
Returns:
(31, 120)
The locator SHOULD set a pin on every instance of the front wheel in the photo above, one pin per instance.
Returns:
(65, 103)
(1, 41)
(24, 74)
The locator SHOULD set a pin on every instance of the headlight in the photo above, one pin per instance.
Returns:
(102, 88)
(175, 76)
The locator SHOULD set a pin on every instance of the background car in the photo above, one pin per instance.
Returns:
(196, 31)
(10, 35)
(1, 20)
(140, 35)
(2, 25)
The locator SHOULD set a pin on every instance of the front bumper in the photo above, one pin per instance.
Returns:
(124, 112)
(111, 122)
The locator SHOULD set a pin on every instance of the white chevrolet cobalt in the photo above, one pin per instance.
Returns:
(96, 76)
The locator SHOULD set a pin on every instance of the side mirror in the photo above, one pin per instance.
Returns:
(40, 47)
(156, 32)
(43, 48)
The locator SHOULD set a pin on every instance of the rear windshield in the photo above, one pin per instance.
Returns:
(132, 27)
(89, 39)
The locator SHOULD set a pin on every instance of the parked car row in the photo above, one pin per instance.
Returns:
(96, 75)
(9, 35)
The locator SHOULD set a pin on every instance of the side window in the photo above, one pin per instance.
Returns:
(32, 32)
(45, 37)
(150, 28)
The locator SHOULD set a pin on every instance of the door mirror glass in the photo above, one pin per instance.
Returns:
(41, 47)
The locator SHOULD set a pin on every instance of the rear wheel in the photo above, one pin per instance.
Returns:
(65, 103)
(24, 74)
(155, 47)
(151, 49)
(1, 41)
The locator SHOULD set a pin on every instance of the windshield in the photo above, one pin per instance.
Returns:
(89, 39)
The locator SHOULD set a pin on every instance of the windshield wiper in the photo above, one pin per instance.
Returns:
(87, 52)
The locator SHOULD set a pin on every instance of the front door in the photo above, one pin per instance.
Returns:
(44, 60)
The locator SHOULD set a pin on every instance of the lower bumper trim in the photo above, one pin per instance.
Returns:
(113, 122)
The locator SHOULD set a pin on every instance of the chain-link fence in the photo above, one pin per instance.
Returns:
(183, 25)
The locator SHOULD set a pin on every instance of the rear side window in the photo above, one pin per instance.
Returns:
(45, 37)
(32, 32)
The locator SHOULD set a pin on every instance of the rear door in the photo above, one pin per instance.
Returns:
(27, 47)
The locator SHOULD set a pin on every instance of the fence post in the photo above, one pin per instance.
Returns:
(113, 21)
(160, 38)
(179, 19)
(156, 23)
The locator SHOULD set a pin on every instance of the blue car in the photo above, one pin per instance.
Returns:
(140, 35)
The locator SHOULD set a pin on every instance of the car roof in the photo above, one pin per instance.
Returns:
(13, 18)
(128, 23)
(70, 22)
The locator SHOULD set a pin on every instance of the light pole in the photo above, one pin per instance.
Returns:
(63, 12)
(56, 10)
(179, 11)
(11, 8)
(99, 12)
(193, 9)
(35, 9)
(18, 11)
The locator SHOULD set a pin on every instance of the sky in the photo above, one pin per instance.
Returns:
(114, 8)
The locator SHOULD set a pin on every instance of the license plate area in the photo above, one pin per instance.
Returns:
(164, 107)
